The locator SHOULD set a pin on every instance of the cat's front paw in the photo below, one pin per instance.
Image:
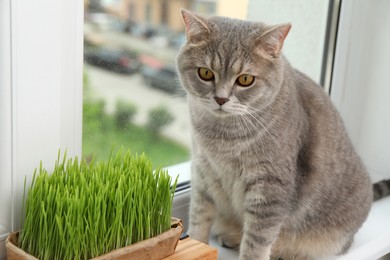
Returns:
(229, 241)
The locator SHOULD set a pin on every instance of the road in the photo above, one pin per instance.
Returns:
(111, 87)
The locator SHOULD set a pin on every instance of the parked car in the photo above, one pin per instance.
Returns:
(142, 30)
(164, 78)
(112, 59)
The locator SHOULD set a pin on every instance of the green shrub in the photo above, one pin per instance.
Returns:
(94, 115)
(84, 210)
(158, 118)
(124, 114)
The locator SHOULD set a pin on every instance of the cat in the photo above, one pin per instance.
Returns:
(273, 169)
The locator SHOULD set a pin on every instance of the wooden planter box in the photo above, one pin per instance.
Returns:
(153, 248)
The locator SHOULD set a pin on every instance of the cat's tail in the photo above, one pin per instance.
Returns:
(381, 189)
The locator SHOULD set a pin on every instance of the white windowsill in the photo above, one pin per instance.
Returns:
(3, 233)
(181, 170)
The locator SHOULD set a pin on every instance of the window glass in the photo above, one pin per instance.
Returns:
(132, 96)
(304, 46)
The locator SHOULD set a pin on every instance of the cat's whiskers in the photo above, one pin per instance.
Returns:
(263, 124)
(267, 114)
(274, 123)
(268, 118)
(263, 115)
(248, 121)
(244, 127)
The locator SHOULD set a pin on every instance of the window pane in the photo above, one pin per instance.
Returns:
(304, 45)
(132, 96)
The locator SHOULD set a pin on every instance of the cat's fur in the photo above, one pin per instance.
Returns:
(272, 165)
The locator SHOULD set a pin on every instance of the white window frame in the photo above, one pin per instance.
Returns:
(40, 93)
(359, 85)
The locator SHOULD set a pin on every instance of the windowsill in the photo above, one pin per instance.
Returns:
(181, 170)
(3, 236)
(3, 233)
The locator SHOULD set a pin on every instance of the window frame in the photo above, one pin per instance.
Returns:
(41, 107)
(5, 120)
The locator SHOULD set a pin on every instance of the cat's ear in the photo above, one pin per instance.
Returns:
(197, 30)
(271, 41)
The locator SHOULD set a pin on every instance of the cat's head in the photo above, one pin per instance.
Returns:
(229, 66)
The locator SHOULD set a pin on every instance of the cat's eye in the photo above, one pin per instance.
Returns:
(245, 80)
(205, 74)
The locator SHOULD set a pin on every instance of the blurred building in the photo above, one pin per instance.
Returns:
(165, 13)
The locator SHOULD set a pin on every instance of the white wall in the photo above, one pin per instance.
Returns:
(361, 82)
(40, 94)
(305, 43)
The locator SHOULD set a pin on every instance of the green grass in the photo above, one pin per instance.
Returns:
(82, 210)
(98, 141)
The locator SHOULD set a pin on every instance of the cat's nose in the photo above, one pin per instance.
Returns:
(221, 101)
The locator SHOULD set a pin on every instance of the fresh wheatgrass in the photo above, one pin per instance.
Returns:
(84, 210)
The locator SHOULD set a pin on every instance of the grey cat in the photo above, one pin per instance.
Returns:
(273, 169)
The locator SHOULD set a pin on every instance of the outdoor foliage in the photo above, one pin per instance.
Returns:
(84, 210)
(124, 113)
(162, 151)
(158, 118)
(94, 116)
(101, 132)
